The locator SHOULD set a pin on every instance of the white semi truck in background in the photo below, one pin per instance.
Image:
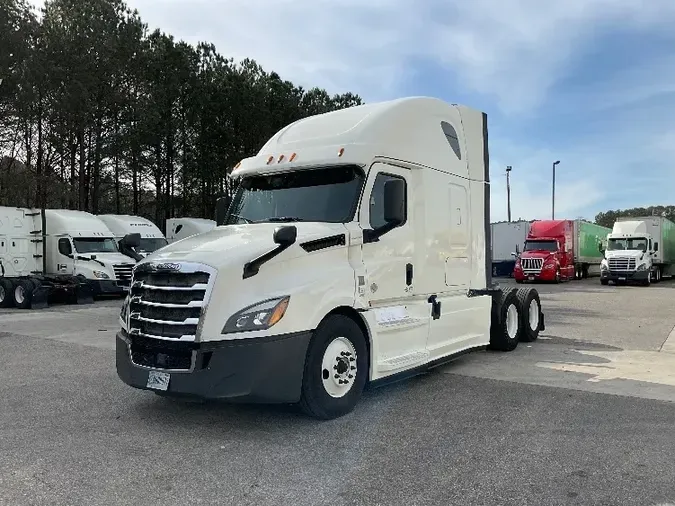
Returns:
(508, 238)
(180, 228)
(356, 250)
(57, 251)
(639, 250)
(122, 225)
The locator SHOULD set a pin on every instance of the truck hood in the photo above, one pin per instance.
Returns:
(238, 244)
(109, 259)
(536, 254)
(625, 253)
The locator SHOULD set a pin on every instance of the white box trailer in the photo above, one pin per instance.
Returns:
(122, 226)
(180, 228)
(57, 251)
(508, 238)
(356, 251)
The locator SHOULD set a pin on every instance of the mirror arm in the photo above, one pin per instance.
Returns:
(373, 235)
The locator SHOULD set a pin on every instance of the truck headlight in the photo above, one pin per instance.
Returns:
(642, 267)
(124, 311)
(100, 275)
(260, 316)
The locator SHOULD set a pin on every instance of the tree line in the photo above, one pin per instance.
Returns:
(97, 113)
(607, 218)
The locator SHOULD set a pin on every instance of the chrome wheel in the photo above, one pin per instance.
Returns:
(533, 315)
(338, 367)
(19, 294)
(512, 321)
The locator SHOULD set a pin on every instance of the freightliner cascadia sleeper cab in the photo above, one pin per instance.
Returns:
(355, 251)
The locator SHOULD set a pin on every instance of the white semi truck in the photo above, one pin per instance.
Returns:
(54, 250)
(122, 225)
(180, 228)
(355, 251)
(508, 237)
(639, 250)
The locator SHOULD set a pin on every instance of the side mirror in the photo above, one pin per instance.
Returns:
(131, 240)
(394, 201)
(285, 236)
(656, 246)
(601, 248)
(514, 254)
(221, 210)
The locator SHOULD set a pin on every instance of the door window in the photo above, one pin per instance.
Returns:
(64, 247)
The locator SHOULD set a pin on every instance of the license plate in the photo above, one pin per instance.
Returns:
(531, 278)
(622, 279)
(158, 380)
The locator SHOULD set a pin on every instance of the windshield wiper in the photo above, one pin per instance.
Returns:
(285, 219)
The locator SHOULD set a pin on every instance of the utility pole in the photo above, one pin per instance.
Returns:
(553, 193)
(508, 193)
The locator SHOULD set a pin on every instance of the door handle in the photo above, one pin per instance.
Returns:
(408, 274)
(435, 307)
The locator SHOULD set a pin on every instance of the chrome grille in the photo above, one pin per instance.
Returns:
(622, 264)
(123, 273)
(166, 301)
(531, 264)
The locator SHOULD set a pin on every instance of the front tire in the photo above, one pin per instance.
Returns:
(336, 369)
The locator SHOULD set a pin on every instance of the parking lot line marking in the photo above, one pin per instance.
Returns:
(669, 344)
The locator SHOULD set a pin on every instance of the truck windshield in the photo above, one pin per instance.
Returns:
(633, 243)
(540, 246)
(150, 244)
(326, 195)
(95, 245)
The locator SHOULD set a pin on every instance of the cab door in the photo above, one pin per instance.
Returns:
(399, 319)
(65, 258)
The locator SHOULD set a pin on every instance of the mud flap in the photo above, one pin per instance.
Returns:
(84, 294)
(40, 297)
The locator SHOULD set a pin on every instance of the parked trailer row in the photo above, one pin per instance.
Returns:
(58, 254)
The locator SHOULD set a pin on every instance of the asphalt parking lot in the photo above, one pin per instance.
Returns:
(585, 415)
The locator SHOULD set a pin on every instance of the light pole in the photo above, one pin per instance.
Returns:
(553, 194)
(508, 193)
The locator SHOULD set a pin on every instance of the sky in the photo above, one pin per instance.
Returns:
(588, 82)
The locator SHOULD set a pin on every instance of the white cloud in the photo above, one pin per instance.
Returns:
(514, 50)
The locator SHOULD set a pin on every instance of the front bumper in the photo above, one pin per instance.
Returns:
(543, 275)
(268, 370)
(106, 287)
(624, 275)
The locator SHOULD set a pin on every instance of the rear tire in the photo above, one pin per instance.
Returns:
(336, 369)
(23, 293)
(505, 328)
(6, 290)
(530, 314)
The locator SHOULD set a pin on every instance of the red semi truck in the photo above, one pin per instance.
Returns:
(557, 250)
